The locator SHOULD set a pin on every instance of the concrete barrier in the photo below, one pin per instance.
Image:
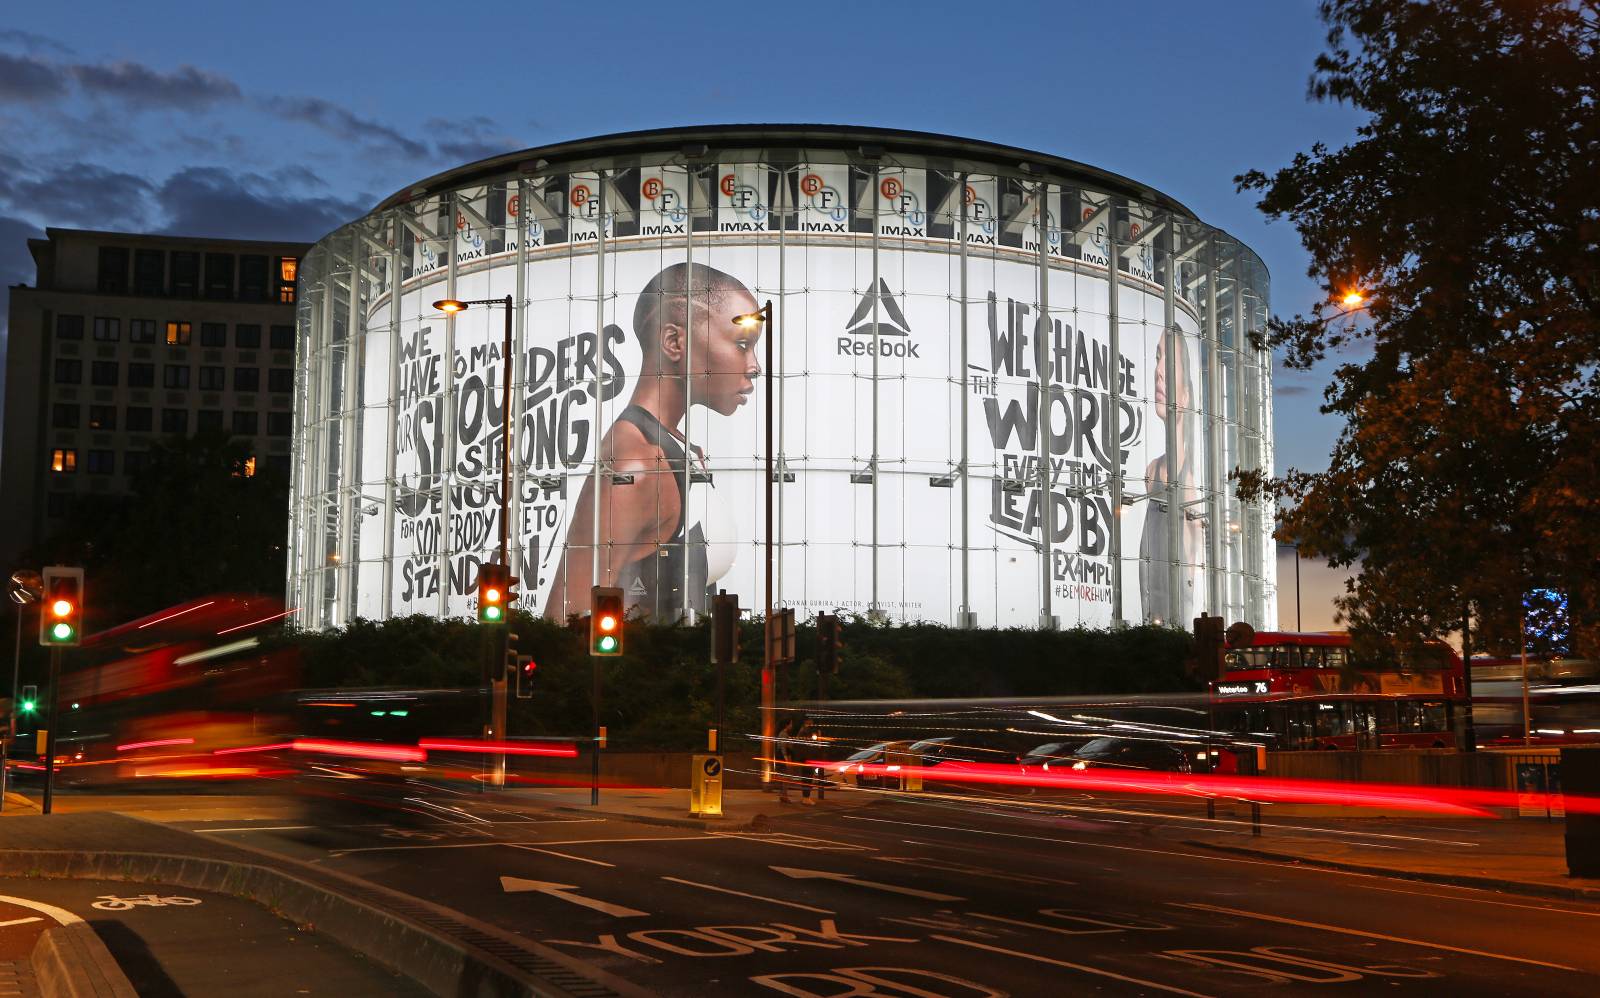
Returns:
(70, 961)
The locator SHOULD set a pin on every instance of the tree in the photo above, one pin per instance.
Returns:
(201, 517)
(1466, 473)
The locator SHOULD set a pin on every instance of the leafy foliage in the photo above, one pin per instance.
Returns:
(662, 692)
(1465, 475)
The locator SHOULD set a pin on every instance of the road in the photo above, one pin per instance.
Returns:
(915, 899)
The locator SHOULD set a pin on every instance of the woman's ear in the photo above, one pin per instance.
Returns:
(672, 342)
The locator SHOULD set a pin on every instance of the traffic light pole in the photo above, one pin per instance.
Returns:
(50, 732)
(11, 720)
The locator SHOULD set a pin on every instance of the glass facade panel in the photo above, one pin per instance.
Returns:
(1000, 396)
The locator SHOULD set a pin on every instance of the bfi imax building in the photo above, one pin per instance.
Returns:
(1006, 389)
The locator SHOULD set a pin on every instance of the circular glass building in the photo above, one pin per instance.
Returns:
(1005, 389)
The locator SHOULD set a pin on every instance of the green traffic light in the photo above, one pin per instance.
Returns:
(608, 643)
(491, 613)
(28, 706)
(61, 631)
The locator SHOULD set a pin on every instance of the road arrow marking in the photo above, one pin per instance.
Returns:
(790, 871)
(516, 885)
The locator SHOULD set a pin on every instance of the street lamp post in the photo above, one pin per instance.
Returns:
(751, 320)
(497, 686)
(26, 587)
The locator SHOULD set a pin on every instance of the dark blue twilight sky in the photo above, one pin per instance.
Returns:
(284, 120)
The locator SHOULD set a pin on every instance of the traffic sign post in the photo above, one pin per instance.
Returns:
(705, 787)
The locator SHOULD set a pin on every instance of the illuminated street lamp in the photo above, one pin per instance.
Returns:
(494, 720)
(451, 306)
(752, 320)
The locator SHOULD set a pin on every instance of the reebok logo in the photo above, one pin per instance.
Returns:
(892, 329)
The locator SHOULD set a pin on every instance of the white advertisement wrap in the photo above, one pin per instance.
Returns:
(947, 432)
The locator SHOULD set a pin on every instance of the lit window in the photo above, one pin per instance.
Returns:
(250, 466)
(102, 417)
(178, 334)
(288, 268)
(64, 460)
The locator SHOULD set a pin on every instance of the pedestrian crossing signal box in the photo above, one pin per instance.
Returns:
(705, 787)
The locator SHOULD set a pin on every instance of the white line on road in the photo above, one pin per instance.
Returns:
(842, 878)
(61, 915)
(560, 842)
(563, 855)
(1502, 904)
(516, 885)
(1072, 966)
(1366, 935)
(21, 921)
(753, 897)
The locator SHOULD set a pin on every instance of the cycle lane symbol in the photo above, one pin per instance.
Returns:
(111, 902)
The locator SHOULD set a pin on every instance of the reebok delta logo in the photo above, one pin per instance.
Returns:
(893, 332)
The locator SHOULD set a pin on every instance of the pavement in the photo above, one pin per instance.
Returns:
(864, 893)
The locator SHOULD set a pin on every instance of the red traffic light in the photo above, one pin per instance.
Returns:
(605, 620)
(496, 591)
(61, 623)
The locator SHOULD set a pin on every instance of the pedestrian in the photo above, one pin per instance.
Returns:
(781, 755)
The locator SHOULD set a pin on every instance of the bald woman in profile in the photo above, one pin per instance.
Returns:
(647, 546)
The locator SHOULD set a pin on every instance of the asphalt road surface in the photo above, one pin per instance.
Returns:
(946, 900)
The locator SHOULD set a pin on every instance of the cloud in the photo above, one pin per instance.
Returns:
(31, 42)
(208, 201)
(342, 123)
(186, 87)
(472, 138)
(24, 78)
(76, 194)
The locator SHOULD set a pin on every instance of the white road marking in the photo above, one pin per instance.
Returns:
(61, 915)
(1367, 935)
(21, 921)
(1502, 904)
(516, 885)
(754, 897)
(842, 878)
(255, 828)
(561, 842)
(563, 855)
(1072, 966)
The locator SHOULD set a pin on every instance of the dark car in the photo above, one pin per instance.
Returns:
(1135, 753)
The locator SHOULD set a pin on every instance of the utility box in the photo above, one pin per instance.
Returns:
(899, 764)
(1580, 776)
(705, 787)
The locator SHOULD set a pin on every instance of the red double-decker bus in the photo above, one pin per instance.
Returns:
(153, 697)
(1307, 692)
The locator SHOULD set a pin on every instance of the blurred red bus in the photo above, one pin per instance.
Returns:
(153, 697)
(1307, 692)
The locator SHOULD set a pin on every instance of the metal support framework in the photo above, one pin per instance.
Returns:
(1042, 337)
(1114, 411)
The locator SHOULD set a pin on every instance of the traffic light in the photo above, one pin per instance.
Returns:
(1208, 643)
(496, 593)
(61, 616)
(525, 667)
(830, 638)
(724, 628)
(511, 655)
(780, 636)
(605, 620)
(28, 703)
